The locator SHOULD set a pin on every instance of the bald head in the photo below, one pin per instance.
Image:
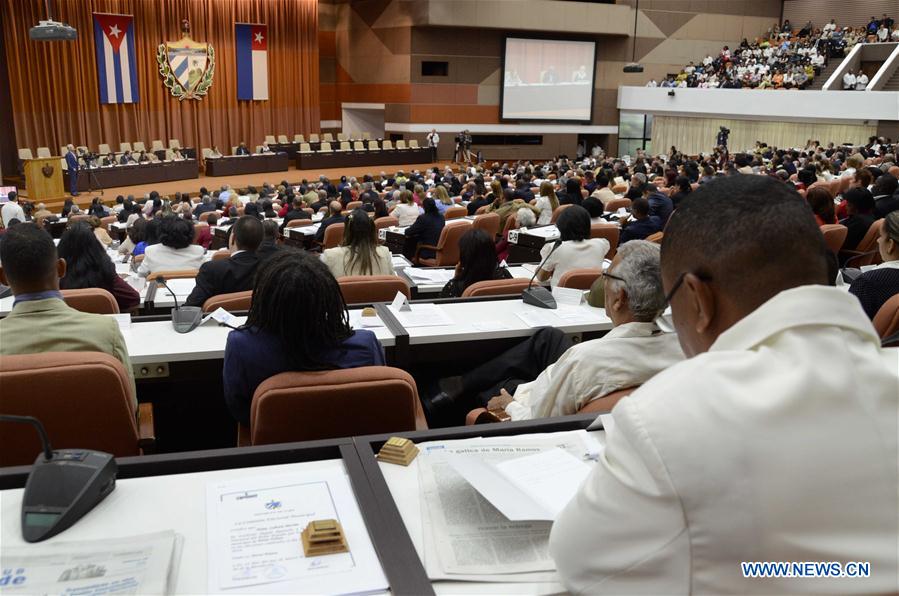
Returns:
(893, 171)
(335, 207)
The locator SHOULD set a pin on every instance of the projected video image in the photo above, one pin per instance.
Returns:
(548, 79)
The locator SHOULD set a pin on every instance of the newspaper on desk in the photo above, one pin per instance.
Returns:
(466, 538)
(145, 564)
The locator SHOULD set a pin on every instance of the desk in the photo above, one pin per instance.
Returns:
(342, 159)
(423, 289)
(133, 174)
(232, 165)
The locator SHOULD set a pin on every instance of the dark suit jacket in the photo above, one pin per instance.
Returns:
(886, 204)
(224, 276)
(426, 230)
(292, 215)
(320, 234)
(71, 161)
(525, 195)
(243, 151)
(266, 249)
(661, 205)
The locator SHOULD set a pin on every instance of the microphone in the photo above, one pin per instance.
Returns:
(184, 318)
(540, 296)
(63, 485)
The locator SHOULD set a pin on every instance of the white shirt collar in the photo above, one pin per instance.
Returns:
(237, 252)
(812, 305)
(633, 329)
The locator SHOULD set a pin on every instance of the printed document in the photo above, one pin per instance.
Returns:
(145, 564)
(253, 536)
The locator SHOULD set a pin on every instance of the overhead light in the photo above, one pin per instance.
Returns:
(633, 65)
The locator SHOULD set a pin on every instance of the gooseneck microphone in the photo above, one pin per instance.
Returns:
(45, 441)
(184, 318)
(540, 296)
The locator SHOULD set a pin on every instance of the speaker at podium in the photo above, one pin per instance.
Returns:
(43, 178)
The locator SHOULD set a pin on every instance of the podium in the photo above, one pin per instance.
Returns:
(43, 178)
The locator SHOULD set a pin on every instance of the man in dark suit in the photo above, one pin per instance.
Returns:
(659, 204)
(334, 217)
(641, 224)
(296, 212)
(269, 244)
(242, 149)
(523, 190)
(72, 165)
(234, 274)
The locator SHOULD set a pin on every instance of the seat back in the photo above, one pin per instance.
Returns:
(342, 136)
(386, 222)
(455, 213)
(25, 153)
(616, 204)
(258, 149)
(174, 144)
(328, 137)
(579, 279)
(205, 152)
(344, 145)
(282, 139)
(313, 138)
(43, 152)
(373, 146)
(198, 229)
(325, 147)
(482, 210)
(270, 139)
(221, 254)
(93, 300)
(387, 144)
(886, 321)
(401, 144)
(123, 147)
(139, 146)
(173, 274)
(83, 399)
(608, 231)
(105, 221)
(353, 205)
(368, 289)
(657, 237)
(606, 402)
(558, 211)
(299, 139)
(231, 302)
(448, 246)
(205, 215)
(869, 241)
(76, 218)
(155, 146)
(497, 287)
(298, 223)
(358, 146)
(834, 236)
(305, 148)
(304, 406)
(333, 235)
(489, 222)
(413, 144)
(63, 150)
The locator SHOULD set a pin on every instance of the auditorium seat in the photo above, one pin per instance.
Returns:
(305, 148)
(886, 321)
(174, 144)
(156, 146)
(342, 136)
(104, 149)
(386, 222)
(866, 253)
(344, 146)
(92, 300)
(76, 218)
(62, 151)
(282, 140)
(497, 287)
(373, 146)
(328, 137)
(313, 138)
(306, 406)
(298, 223)
(105, 221)
(173, 274)
(25, 153)
(558, 211)
(834, 236)
(333, 235)
(43, 152)
(205, 216)
(489, 222)
(579, 279)
(616, 204)
(231, 302)
(455, 213)
(358, 146)
(139, 146)
(387, 144)
(199, 227)
(353, 205)
(413, 144)
(447, 248)
(366, 136)
(368, 289)
(610, 232)
(206, 152)
(620, 188)
(657, 237)
(270, 139)
(123, 147)
(220, 254)
(401, 144)
(325, 148)
(85, 400)
(482, 210)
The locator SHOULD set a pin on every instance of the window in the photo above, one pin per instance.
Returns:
(634, 132)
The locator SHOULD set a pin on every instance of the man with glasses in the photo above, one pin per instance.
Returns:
(775, 441)
(548, 376)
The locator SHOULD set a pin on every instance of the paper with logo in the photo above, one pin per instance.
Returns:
(145, 564)
(254, 528)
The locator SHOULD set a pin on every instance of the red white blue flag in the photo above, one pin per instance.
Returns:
(116, 60)
(251, 42)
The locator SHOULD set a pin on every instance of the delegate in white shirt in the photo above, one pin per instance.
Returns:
(10, 211)
(574, 255)
(627, 356)
(406, 214)
(159, 257)
(546, 211)
(778, 444)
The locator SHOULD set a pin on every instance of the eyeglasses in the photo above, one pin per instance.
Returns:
(665, 320)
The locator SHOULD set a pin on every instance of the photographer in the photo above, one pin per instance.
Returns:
(72, 165)
(723, 133)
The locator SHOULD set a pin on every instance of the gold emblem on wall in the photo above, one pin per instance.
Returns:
(186, 66)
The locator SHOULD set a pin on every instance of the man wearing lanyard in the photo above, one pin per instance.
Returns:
(40, 320)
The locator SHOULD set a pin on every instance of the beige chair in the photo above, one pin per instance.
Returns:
(92, 300)
(43, 152)
(386, 222)
(313, 138)
(85, 400)
(413, 144)
(231, 302)
(174, 144)
(344, 146)
(104, 149)
(270, 139)
(299, 139)
(258, 148)
(282, 139)
(610, 232)
(366, 136)
(157, 146)
(305, 148)
(358, 146)
(489, 222)
(63, 150)
(579, 279)
(25, 153)
(123, 147)
(387, 144)
(373, 146)
(401, 144)
(325, 147)
(834, 236)
(342, 136)
(616, 204)
(139, 146)
(328, 137)
(82, 148)
(368, 289)
(456, 212)
(205, 152)
(447, 248)
(234, 150)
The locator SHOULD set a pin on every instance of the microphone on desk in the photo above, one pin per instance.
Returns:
(540, 296)
(63, 485)
(184, 318)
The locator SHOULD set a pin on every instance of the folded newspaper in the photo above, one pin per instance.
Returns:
(144, 564)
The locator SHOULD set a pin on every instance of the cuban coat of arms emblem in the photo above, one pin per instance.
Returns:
(186, 66)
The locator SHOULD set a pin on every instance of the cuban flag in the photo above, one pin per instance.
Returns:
(116, 68)
(252, 61)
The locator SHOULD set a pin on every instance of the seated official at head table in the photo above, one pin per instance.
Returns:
(751, 449)
(236, 273)
(175, 250)
(359, 252)
(548, 375)
(40, 321)
(297, 322)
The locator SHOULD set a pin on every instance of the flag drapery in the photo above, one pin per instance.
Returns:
(251, 43)
(116, 67)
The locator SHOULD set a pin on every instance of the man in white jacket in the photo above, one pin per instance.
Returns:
(776, 441)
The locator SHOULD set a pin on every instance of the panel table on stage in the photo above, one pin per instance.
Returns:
(232, 165)
(133, 174)
(344, 159)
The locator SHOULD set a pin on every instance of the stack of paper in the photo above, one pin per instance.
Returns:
(434, 276)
